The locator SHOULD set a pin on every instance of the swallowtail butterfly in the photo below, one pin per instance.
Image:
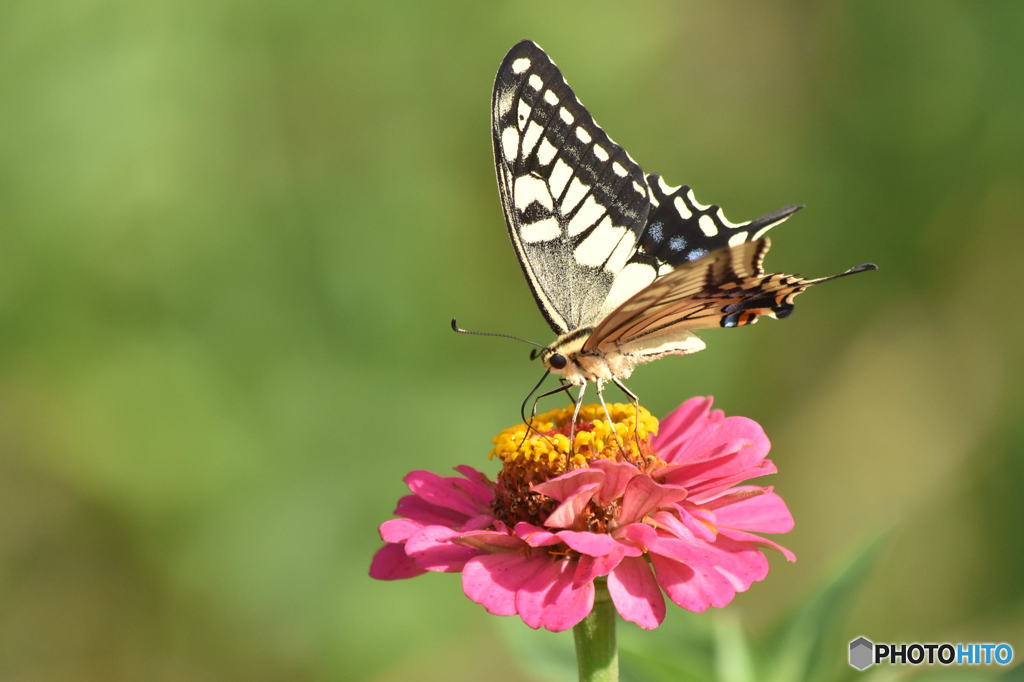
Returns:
(623, 266)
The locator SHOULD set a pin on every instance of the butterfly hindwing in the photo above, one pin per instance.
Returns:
(726, 288)
(683, 297)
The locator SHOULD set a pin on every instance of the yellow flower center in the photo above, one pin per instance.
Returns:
(535, 454)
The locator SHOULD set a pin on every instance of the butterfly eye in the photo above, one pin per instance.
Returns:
(558, 361)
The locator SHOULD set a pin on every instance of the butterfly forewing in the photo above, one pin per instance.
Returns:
(574, 201)
(680, 229)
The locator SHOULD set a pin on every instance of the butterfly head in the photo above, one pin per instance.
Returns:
(566, 357)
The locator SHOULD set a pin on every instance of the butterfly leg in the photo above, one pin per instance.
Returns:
(566, 385)
(575, 416)
(636, 409)
(611, 424)
(559, 389)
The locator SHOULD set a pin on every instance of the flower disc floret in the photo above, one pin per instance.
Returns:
(545, 442)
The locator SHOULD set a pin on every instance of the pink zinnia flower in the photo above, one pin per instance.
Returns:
(650, 515)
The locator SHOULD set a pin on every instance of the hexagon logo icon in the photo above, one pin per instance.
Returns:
(862, 653)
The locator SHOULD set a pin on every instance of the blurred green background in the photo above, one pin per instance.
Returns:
(234, 234)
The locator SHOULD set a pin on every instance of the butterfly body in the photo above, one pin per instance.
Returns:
(623, 266)
(568, 357)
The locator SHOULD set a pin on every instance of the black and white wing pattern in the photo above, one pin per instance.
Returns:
(680, 229)
(590, 228)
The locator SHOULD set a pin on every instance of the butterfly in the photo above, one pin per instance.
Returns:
(623, 266)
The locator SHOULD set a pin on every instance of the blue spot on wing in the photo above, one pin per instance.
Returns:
(677, 243)
(655, 232)
(696, 253)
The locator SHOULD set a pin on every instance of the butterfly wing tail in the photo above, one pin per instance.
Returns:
(776, 297)
(863, 267)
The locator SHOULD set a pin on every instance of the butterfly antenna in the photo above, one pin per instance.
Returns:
(459, 330)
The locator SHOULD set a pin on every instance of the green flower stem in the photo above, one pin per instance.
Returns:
(596, 654)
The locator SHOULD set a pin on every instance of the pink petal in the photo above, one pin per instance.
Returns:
(616, 476)
(643, 494)
(418, 509)
(639, 534)
(570, 484)
(489, 541)
(569, 510)
(741, 536)
(763, 512)
(742, 560)
(636, 594)
(733, 444)
(694, 591)
(398, 530)
(710, 489)
(477, 484)
(530, 596)
(678, 424)
(594, 544)
(392, 563)
(443, 492)
(550, 600)
(432, 550)
(588, 567)
(535, 536)
(492, 580)
(685, 525)
(479, 522)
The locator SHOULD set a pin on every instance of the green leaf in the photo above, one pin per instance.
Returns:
(732, 650)
(678, 651)
(802, 642)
